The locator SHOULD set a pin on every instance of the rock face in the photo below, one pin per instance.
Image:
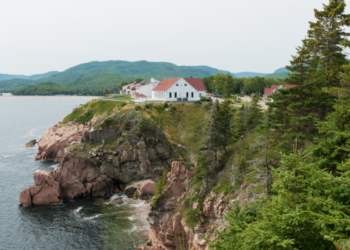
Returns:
(46, 191)
(87, 169)
(57, 138)
(168, 229)
(30, 144)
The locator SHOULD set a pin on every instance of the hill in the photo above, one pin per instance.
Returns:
(278, 75)
(32, 77)
(280, 70)
(98, 81)
(249, 74)
(45, 88)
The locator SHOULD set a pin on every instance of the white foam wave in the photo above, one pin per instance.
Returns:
(78, 210)
(7, 156)
(92, 217)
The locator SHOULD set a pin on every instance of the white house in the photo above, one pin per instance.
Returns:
(146, 88)
(140, 88)
(140, 98)
(176, 89)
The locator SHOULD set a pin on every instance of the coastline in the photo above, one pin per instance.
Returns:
(49, 96)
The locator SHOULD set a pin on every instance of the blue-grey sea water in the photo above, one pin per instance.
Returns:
(78, 224)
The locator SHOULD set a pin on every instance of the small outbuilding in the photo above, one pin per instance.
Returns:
(140, 98)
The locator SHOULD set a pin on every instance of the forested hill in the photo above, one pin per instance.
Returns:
(32, 77)
(120, 70)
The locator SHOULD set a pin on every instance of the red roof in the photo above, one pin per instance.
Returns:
(141, 95)
(133, 88)
(270, 91)
(167, 83)
(196, 83)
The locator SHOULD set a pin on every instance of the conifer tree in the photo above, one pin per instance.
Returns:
(317, 65)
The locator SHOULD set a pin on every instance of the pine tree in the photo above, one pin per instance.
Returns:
(317, 65)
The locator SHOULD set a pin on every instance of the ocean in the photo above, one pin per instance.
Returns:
(77, 224)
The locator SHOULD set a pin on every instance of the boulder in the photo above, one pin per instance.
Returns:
(30, 144)
(46, 191)
(146, 189)
(116, 201)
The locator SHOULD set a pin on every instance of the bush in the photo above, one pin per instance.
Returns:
(149, 105)
(123, 104)
(144, 124)
(138, 108)
(197, 102)
(108, 122)
(127, 125)
(159, 188)
(204, 99)
(166, 105)
(85, 117)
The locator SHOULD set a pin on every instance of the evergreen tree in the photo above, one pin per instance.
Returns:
(229, 86)
(317, 65)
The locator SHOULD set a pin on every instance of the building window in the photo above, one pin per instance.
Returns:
(186, 94)
(177, 84)
(175, 94)
(169, 94)
(200, 94)
(185, 84)
(192, 94)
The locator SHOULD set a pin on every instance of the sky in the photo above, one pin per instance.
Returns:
(38, 36)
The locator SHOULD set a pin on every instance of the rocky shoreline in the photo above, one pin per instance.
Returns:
(101, 161)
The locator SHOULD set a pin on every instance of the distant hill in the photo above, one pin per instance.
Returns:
(278, 75)
(10, 85)
(98, 81)
(249, 74)
(45, 88)
(32, 77)
(280, 70)
(114, 72)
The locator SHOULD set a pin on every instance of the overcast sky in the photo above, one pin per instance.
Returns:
(37, 36)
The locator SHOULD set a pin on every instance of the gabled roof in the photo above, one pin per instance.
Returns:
(270, 91)
(166, 84)
(141, 95)
(196, 83)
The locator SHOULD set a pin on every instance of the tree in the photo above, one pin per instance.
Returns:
(229, 86)
(317, 65)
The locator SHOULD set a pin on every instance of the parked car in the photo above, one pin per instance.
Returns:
(208, 97)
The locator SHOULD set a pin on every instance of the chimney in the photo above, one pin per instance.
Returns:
(190, 76)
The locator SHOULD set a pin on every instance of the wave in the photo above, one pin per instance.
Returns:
(92, 217)
(78, 210)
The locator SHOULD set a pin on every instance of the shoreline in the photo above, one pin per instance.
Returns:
(49, 96)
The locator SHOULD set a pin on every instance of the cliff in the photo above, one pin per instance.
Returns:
(131, 149)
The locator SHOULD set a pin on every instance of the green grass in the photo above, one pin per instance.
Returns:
(97, 107)
(123, 99)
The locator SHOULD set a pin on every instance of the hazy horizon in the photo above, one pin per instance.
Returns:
(255, 36)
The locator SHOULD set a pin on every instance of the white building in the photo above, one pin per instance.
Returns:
(176, 89)
(140, 98)
(146, 88)
(140, 88)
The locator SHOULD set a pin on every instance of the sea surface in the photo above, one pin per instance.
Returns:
(77, 224)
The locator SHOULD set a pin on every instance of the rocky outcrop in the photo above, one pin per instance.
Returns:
(30, 144)
(46, 191)
(58, 137)
(89, 169)
(168, 228)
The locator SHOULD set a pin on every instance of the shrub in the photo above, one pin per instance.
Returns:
(166, 105)
(85, 117)
(149, 105)
(204, 99)
(127, 125)
(197, 102)
(159, 188)
(108, 122)
(138, 108)
(123, 104)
